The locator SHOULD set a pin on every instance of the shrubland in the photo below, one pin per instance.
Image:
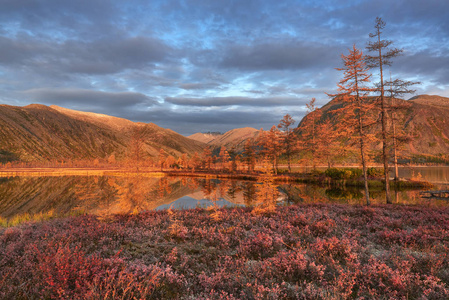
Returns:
(315, 251)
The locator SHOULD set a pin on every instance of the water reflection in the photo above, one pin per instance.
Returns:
(110, 195)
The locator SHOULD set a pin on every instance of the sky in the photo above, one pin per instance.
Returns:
(197, 65)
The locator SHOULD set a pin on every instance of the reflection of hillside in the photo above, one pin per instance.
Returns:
(232, 191)
(139, 194)
(95, 195)
(109, 195)
(33, 195)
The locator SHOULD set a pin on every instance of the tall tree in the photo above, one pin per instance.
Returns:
(353, 91)
(137, 142)
(288, 138)
(224, 157)
(161, 158)
(396, 88)
(270, 143)
(309, 140)
(249, 155)
(382, 57)
(207, 158)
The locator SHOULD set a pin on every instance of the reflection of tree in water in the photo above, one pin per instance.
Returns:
(223, 188)
(164, 188)
(266, 192)
(209, 189)
(303, 193)
(233, 189)
(347, 195)
(110, 194)
(132, 194)
(249, 192)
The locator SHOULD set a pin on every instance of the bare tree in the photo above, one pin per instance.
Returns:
(396, 88)
(381, 58)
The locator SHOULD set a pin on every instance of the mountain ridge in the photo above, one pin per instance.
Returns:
(41, 133)
(234, 138)
(423, 117)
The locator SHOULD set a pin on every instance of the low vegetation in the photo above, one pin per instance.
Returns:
(317, 251)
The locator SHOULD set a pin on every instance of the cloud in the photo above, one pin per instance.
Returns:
(233, 101)
(279, 54)
(199, 86)
(425, 64)
(89, 98)
(112, 55)
(189, 122)
(217, 64)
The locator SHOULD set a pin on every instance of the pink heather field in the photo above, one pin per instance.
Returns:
(314, 251)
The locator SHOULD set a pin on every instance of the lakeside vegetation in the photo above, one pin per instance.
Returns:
(316, 251)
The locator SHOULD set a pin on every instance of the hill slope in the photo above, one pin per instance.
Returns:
(233, 138)
(38, 133)
(425, 118)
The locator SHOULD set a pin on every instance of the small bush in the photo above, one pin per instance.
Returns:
(374, 172)
(343, 173)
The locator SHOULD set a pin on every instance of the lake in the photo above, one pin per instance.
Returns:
(102, 195)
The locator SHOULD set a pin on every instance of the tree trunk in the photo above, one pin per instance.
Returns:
(384, 128)
(362, 153)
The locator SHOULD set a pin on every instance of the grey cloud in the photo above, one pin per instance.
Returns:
(73, 56)
(113, 55)
(425, 64)
(20, 51)
(64, 15)
(230, 101)
(198, 86)
(90, 98)
(278, 55)
(188, 122)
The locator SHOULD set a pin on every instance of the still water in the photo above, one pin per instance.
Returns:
(102, 195)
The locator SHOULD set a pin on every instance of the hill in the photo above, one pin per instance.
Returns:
(431, 100)
(424, 118)
(204, 137)
(233, 138)
(40, 133)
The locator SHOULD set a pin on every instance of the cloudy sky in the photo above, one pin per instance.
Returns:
(198, 65)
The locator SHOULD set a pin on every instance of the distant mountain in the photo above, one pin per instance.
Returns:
(39, 133)
(234, 138)
(204, 137)
(425, 118)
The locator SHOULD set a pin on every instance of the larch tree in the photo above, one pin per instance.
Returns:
(161, 158)
(382, 57)
(207, 158)
(308, 142)
(234, 156)
(318, 137)
(249, 155)
(137, 142)
(394, 89)
(353, 91)
(288, 138)
(224, 157)
(271, 147)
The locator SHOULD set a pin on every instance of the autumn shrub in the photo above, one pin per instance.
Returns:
(375, 172)
(343, 173)
(309, 251)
